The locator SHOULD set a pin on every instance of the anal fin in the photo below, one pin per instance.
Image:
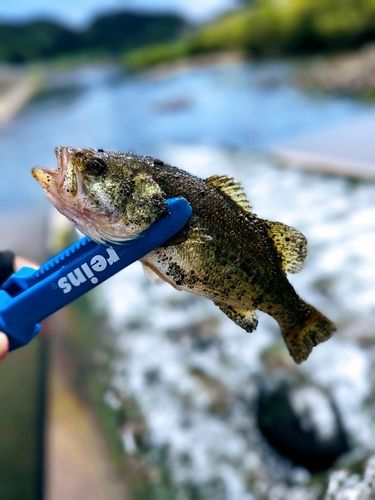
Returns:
(245, 318)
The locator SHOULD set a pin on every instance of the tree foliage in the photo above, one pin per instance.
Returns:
(278, 27)
(108, 35)
(273, 28)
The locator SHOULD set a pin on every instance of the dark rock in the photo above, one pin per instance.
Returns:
(152, 376)
(302, 423)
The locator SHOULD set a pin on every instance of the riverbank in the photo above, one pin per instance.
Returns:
(75, 444)
(351, 74)
(77, 447)
(346, 75)
(17, 88)
(21, 411)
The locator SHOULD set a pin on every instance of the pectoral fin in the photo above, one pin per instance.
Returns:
(151, 274)
(290, 244)
(245, 318)
(146, 203)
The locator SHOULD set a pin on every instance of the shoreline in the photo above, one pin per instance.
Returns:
(17, 88)
(195, 61)
(324, 72)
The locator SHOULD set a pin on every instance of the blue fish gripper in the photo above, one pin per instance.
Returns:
(29, 296)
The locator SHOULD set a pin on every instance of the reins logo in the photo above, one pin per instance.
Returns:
(86, 271)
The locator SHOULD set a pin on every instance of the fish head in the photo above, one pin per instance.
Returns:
(111, 197)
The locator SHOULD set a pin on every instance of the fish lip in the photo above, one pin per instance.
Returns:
(46, 177)
(53, 181)
(49, 178)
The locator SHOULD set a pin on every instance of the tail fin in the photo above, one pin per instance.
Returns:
(315, 329)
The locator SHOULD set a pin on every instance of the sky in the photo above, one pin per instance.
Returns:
(80, 12)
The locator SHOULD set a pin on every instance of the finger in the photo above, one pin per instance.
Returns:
(22, 262)
(4, 345)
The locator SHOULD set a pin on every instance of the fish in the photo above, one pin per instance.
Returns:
(225, 253)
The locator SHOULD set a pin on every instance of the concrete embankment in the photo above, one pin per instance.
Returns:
(20, 375)
(17, 87)
(346, 150)
(49, 433)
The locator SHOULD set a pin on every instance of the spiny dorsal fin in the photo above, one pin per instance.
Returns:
(290, 244)
(230, 188)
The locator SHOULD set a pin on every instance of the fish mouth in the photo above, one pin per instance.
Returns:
(46, 177)
(66, 179)
(62, 155)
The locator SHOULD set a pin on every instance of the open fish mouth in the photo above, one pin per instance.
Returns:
(62, 155)
(65, 179)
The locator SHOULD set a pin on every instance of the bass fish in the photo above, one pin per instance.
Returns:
(225, 252)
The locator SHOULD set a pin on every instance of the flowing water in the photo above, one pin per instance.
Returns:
(195, 374)
(230, 106)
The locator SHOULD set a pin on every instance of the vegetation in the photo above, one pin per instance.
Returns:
(159, 53)
(261, 28)
(107, 35)
(273, 28)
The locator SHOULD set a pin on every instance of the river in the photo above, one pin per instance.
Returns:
(231, 106)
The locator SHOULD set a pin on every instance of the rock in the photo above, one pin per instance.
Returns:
(302, 423)
(351, 74)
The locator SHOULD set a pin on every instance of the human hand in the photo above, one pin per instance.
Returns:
(4, 345)
(17, 264)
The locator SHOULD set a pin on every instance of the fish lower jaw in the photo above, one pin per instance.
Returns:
(46, 178)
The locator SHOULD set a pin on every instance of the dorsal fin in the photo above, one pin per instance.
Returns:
(290, 244)
(230, 188)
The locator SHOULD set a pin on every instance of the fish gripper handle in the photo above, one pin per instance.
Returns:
(29, 296)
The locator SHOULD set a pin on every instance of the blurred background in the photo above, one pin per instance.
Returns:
(141, 392)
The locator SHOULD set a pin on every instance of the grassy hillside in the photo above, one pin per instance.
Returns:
(273, 28)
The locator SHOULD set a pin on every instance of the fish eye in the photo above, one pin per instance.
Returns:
(96, 166)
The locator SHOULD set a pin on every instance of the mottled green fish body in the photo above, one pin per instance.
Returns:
(225, 253)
